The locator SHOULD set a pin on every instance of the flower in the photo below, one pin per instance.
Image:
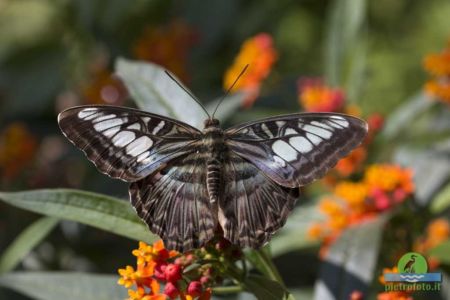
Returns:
(167, 46)
(259, 53)
(437, 232)
(382, 187)
(104, 87)
(394, 296)
(351, 163)
(315, 96)
(17, 149)
(438, 66)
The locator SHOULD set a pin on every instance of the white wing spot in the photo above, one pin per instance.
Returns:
(279, 162)
(103, 118)
(344, 123)
(290, 131)
(314, 138)
(159, 127)
(86, 112)
(139, 145)
(111, 132)
(266, 130)
(280, 123)
(322, 125)
(100, 126)
(323, 133)
(284, 150)
(123, 138)
(146, 119)
(136, 126)
(301, 144)
(143, 156)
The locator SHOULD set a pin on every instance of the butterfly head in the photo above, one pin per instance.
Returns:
(211, 122)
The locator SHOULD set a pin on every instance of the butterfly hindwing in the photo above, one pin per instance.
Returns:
(253, 207)
(126, 143)
(175, 205)
(293, 150)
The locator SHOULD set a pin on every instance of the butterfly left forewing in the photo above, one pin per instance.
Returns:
(126, 143)
(293, 150)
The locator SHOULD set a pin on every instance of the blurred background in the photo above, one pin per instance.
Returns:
(367, 58)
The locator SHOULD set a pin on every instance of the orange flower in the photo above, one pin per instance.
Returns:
(438, 65)
(103, 88)
(394, 296)
(167, 46)
(351, 163)
(17, 149)
(315, 96)
(437, 232)
(315, 231)
(389, 177)
(140, 294)
(258, 52)
(353, 193)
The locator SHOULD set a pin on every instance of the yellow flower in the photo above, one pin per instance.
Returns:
(353, 193)
(257, 52)
(389, 177)
(128, 276)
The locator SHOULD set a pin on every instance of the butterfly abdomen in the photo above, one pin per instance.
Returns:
(214, 143)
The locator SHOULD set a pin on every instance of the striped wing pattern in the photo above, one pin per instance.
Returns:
(294, 150)
(166, 161)
(175, 205)
(253, 207)
(126, 143)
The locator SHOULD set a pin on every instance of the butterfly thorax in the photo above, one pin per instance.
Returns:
(213, 141)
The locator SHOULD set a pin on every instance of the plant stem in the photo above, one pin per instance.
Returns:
(223, 290)
(269, 266)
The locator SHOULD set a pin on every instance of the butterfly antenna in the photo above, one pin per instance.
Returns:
(230, 88)
(187, 92)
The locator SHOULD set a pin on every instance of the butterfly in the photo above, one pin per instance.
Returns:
(185, 182)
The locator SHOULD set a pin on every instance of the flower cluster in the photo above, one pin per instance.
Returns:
(259, 53)
(315, 96)
(167, 46)
(382, 187)
(438, 66)
(185, 276)
(392, 295)
(17, 149)
(437, 232)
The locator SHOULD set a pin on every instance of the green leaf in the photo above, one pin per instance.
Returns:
(441, 252)
(261, 260)
(93, 209)
(25, 242)
(64, 285)
(154, 91)
(350, 262)
(403, 116)
(293, 236)
(265, 289)
(441, 201)
(345, 23)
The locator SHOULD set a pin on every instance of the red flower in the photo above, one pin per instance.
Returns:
(171, 290)
(173, 272)
(195, 288)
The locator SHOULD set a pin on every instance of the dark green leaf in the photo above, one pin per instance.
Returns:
(64, 285)
(265, 289)
(93, 209)
(25, 242)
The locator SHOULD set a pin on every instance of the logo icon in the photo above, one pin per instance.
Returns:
(412, 267)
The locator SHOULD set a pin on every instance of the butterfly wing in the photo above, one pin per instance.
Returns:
(293, 150)
(175, 205)
(252, 207)
(126, 143)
